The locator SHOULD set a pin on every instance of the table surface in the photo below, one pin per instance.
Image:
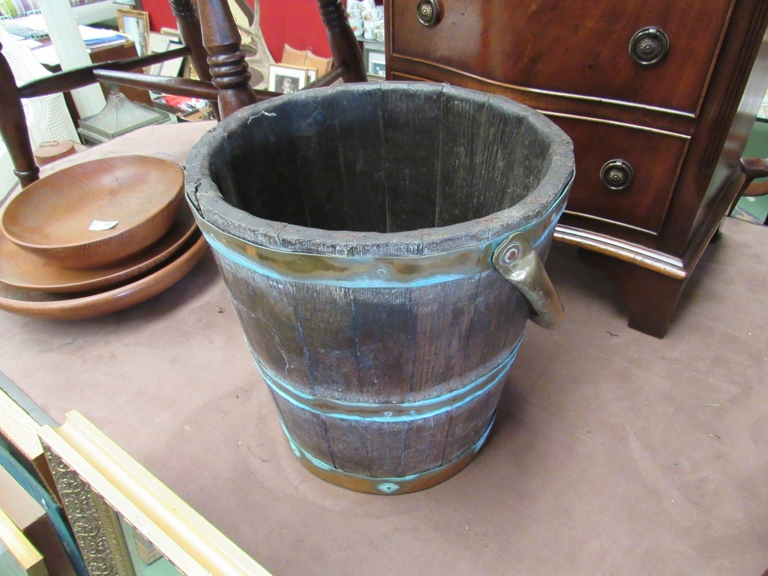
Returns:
(613, 452)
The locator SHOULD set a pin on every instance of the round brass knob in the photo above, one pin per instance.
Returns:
(617, 174)
(428, 12)
(649, 46)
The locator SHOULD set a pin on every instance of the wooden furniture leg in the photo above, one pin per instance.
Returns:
(343, 43)
(229, 70)
(191, 35)
(13, 127)
(650, 296)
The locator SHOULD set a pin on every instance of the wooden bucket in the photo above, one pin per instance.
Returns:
(382, 245)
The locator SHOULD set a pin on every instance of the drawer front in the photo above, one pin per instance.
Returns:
(571, 46)
(653, 158)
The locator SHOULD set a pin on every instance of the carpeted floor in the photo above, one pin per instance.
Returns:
(613, 452)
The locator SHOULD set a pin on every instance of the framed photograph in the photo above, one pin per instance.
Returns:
(135, 25)
(375, 59)
(286, 79)
(127, 522)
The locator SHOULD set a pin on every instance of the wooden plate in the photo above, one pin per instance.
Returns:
(78, 306)
(21, 269)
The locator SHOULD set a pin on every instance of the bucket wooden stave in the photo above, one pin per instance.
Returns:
(371, 305)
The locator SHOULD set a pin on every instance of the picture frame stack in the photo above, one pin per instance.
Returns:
(100, 511)
(125, 520)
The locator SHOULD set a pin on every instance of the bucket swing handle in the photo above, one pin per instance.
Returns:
(517, 261)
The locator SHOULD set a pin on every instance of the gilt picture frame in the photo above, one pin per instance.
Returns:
(135, 25)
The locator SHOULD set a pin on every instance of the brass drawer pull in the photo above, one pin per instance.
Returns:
(649, 46)
(428, 12)
(617, 174)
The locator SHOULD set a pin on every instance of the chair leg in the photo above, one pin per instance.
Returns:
(229, 70)
(13, 127)
(344, 45)
(191, 35)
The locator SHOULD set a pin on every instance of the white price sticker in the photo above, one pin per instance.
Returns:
(101, 225)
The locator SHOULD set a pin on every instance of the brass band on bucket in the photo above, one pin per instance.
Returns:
(389, 412)
(372, 271)
(387, 486)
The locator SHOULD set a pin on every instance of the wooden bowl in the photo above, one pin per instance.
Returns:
(20, 269)
(53, 217)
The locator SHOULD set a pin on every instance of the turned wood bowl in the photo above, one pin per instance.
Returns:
(68, 217)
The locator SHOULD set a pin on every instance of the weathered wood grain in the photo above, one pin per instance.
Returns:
(410, 172)
(266, 169)
(307, 428)
(499, 310)
(359, 138)
(469, 422)
(386, 335)
(386, 449)
(325, 322)
(421, 455)
(267, 316)
(317, 152)
(444, 315)
(348, 440)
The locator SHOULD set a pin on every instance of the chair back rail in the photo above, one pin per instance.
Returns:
(79, 77)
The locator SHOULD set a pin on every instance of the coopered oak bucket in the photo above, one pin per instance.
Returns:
(382, 245)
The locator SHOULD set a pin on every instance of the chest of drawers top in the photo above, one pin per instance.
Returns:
(656, 54)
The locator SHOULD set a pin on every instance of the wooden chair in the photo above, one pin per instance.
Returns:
(214, 49)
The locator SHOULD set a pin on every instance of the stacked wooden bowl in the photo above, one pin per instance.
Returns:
(95, 238)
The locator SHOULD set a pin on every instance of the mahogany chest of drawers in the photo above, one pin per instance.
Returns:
(658, 97)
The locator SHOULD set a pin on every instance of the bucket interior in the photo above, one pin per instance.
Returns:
(379, 160)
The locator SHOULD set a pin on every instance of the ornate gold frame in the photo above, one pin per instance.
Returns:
(98, 481)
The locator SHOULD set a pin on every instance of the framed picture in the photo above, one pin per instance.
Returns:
(286, 79)
(135, 25)
(375, 59)
(127, 522)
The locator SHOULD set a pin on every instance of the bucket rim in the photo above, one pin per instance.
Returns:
(208, 202)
